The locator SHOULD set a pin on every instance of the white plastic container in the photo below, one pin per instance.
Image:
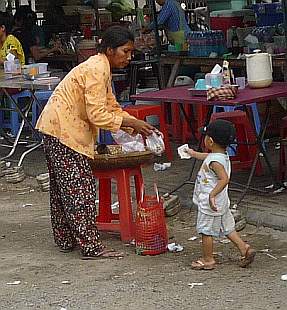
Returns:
(35, 69)
(43, 67)
(12, 67)
(259, 70)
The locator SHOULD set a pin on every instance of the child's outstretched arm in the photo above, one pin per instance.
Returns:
(223, 180)
(195, 154)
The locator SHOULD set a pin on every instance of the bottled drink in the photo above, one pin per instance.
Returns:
(235, 42)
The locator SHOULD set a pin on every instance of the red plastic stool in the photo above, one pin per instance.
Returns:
(244, 134)
(282, 169)
(106, 219)
(198, 114)
(173, 120)
(142, 111)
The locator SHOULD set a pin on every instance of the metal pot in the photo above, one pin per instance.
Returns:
(259, 69)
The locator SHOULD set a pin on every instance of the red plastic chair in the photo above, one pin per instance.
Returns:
(142, 111)
(124, 221)
(245, 133)
(198, 114)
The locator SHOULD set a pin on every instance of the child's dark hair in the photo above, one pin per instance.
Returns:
(6, 20)
(114, 37)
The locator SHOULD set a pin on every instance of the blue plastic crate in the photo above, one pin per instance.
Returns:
(268, 14)
(269, 19)
(267, 8)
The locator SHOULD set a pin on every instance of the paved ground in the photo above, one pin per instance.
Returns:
(28, 255)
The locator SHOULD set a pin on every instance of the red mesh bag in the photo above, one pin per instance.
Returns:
(151, 233)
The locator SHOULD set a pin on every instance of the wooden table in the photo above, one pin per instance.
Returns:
(62, 61)
(177, 61)
(181, 96)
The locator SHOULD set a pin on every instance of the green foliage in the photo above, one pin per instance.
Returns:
(120, 8)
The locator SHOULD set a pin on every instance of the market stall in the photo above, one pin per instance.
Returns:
(173, 62)
(232, 34)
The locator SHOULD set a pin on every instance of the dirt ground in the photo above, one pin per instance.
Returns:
(50, 279)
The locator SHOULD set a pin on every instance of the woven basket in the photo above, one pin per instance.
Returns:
(124, 160)
(151, 233)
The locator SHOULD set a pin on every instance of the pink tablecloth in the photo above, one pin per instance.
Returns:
(245, 96)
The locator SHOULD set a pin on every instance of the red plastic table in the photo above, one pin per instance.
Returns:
(181, 95)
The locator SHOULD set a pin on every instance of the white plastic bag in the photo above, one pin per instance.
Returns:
(128, 142)
(155, 143)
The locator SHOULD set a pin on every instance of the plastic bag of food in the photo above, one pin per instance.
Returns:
(155, 143)
(128, 142)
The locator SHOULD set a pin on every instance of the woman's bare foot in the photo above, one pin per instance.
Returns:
(104, 254)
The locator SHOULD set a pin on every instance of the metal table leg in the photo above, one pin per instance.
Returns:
(17, 138)
(24, 116)
(260, 143)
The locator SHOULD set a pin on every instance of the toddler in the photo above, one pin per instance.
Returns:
(214, 217)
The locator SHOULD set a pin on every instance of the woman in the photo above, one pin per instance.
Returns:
(9, 43)
(81, 104)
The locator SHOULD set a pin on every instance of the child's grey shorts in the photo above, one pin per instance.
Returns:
(215, 226)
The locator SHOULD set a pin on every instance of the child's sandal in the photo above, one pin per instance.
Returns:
(200, 265)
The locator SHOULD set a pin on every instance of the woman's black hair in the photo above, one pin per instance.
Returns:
(6, 20)
(114, 37)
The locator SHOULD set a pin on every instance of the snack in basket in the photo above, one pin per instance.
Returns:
(102, 149)
(223, 93)
(109, 149)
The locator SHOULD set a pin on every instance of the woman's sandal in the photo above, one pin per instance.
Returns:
(248, 258)
(69, 250)
(104, 254)
(200, 265)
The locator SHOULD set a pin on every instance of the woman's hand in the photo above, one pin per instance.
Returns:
(139, 126)
(143, 128)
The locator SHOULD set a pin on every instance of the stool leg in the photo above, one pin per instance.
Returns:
(187, 128)
(256, 117)
(164, 130)
(124, 195)
(105, 211)
(201, 111)
(175, 121)
(167, 115)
